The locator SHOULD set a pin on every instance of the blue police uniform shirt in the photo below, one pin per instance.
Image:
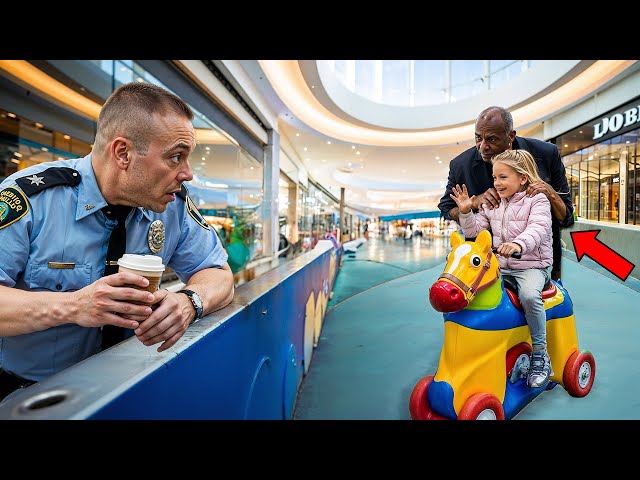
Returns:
(64, 224)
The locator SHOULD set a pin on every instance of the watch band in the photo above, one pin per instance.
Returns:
(197, 304)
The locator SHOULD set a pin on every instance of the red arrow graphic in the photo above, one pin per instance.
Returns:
(585, 243)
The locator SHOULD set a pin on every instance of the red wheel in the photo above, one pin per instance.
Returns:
(482, 406)
(514, 353)
(419, 407)
(579, 374)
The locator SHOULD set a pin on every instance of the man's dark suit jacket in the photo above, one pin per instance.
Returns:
(470, 169)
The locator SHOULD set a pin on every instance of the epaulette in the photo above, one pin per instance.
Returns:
(192, 210)
(51, 177)
(183, 193)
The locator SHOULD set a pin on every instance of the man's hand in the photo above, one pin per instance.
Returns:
(111, 299)
(541, 186)
(490, 198)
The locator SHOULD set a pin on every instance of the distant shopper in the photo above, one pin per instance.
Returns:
(408, 232)
(520, 223)
(56, 221)
(495, 134)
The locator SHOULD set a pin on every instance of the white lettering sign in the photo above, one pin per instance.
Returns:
(615, 122)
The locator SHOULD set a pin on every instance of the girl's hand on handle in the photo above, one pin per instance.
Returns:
(508, 249)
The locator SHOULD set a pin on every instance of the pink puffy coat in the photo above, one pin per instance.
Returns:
(522, 220)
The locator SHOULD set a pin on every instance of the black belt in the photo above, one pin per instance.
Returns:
(10, 382)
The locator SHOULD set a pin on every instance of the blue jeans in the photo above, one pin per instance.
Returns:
(530, 283)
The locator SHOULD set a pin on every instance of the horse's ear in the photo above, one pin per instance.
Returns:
(456, 239)
(484, 240)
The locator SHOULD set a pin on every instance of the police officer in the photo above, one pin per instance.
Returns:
(55, 225)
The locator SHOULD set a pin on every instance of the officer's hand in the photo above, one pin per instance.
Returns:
(490, 198)
(168, 322)
(106, 300)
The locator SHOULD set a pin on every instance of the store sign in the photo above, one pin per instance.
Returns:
(615, 122)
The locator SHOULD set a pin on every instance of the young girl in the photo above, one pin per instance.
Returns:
(520, 224)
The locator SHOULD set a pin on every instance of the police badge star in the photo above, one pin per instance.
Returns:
(156, 236)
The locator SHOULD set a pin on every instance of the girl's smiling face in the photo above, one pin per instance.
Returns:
(507, 181)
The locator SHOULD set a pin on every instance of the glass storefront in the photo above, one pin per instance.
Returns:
(601, 160)
(25, 142)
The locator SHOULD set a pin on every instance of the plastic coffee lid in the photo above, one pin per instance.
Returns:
(149, 263)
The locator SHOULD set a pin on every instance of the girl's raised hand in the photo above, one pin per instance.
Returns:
(460, 195)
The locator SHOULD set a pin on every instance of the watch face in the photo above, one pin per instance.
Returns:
(196, 300)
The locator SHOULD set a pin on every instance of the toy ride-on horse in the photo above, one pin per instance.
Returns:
(482, 372)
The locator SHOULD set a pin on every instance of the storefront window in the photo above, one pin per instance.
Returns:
(633, 185)
(305, 218)
(25, 142)
(593, 175)
(601, 163)
(573, 180)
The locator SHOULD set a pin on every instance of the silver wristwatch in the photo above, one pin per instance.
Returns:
(196, 301)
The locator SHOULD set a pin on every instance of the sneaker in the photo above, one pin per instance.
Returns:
(540, 369)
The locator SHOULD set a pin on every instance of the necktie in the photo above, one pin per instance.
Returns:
(117, 247)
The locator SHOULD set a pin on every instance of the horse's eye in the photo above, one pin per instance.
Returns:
(476, 261)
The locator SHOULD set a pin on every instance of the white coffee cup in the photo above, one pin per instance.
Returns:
(149, 266)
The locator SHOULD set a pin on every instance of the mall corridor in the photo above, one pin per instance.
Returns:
(381, 336)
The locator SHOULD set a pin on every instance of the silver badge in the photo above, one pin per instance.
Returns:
(156, 236)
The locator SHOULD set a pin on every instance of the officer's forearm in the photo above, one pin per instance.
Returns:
(26, 312)
(215, 287)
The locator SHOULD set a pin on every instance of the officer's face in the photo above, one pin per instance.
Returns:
(157, 176)
(491, 137)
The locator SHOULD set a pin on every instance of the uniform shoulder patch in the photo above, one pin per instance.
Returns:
(51, 177)
(13, 206)
(196, 215)
(192, 209)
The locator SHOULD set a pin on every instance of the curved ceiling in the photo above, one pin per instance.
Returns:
(523, 88)
(287, 80)
(389, 170)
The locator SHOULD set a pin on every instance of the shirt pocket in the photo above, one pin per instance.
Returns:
(60, 279)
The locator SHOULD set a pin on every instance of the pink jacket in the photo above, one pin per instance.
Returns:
(522, 220)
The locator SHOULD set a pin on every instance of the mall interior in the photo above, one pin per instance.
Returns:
(294, 153)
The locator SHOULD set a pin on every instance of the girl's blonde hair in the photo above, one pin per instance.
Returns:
(521, 161)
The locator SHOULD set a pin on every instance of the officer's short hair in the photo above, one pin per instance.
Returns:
(129, 110)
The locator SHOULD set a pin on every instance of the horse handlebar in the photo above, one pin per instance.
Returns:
(515, 255)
